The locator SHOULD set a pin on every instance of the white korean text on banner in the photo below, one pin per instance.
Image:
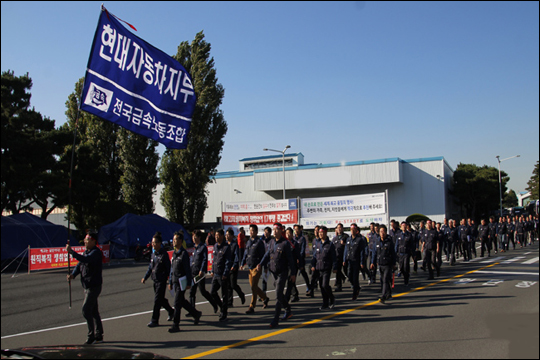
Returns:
(260, 213)
(137, 86)
(330, 211)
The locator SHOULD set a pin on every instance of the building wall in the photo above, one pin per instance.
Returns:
(413, 185)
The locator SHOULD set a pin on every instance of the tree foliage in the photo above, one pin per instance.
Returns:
(31, 147)
(115, 171)
(476, 189)
(185, 173)
(532, 184)
(510, 199)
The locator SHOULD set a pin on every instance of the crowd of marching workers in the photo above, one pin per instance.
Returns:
(280, 254)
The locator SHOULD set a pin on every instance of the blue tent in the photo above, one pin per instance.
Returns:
(125, 233)
(21, 230)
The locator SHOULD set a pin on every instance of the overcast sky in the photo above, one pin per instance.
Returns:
(338, 81)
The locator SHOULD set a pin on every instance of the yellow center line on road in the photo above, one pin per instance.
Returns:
(298, 326)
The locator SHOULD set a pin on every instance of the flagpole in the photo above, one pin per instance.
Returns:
(70, 192)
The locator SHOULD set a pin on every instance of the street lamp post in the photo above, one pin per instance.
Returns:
(283, 158)
(500, 180)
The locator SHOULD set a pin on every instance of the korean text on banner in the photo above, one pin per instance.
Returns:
(55, 258)
(359, 209)
(137, 86)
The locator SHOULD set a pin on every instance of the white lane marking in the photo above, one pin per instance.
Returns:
(532, 261)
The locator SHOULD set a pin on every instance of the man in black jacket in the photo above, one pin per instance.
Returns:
(233, 275)
(405, 245)
(199, 267)
(386, 259)
(159, 269)
(253, 255)
(354, 257)
(180, 280)
(325, 261)
(90, 268)
(221, 269)
(280, 261)
(430, 248)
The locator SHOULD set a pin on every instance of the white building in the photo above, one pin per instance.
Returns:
(414, 185)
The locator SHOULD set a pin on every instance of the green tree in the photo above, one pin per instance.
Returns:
(139, 160)
(532, 184)
(115, 170)
(96, 185)
(31, 146)
(185, 173)
(510, 199)
(476, 189)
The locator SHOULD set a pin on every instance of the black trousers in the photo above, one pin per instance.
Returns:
(90, 311)
(485, 246)
(354, 275)
(315, 278)
(466, 246)
(326, 289)
(292, 291)
(160, 301)
(431, 262)
(282, 302)
(201, 285)
(302, 271)
(233, 285)
(386, 279)
(405, 267)
(340, 276)
(452, 248)
(217, 283)
(493, 242)
(180, 302)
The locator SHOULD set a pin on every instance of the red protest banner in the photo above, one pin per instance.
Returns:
(260, 218)
(56, 258)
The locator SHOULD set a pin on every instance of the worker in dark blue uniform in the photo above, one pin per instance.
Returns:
(159, 268)
(430, 247)
(386, 260)
(420, 244)
(520, 231)
(324, 260)
(511, 232)
(267, 239)
(221, 269)
(394, 231)
(292, 290)
(302, 244)
(253, 255)
(404, 248)
(493, 233)
(90, 267)
(464, 236)
(483, 235)
(280, 261)
(354, 257)
(473, 228)
(180, 280)
(233, 275)
(453, 240)
(199, 267)
(373, 240)
(315, 275)
(339, 242)
(501, 234)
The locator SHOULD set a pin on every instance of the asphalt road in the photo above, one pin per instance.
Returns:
(486, 308)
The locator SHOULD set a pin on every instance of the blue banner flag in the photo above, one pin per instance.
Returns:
(137, 86)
